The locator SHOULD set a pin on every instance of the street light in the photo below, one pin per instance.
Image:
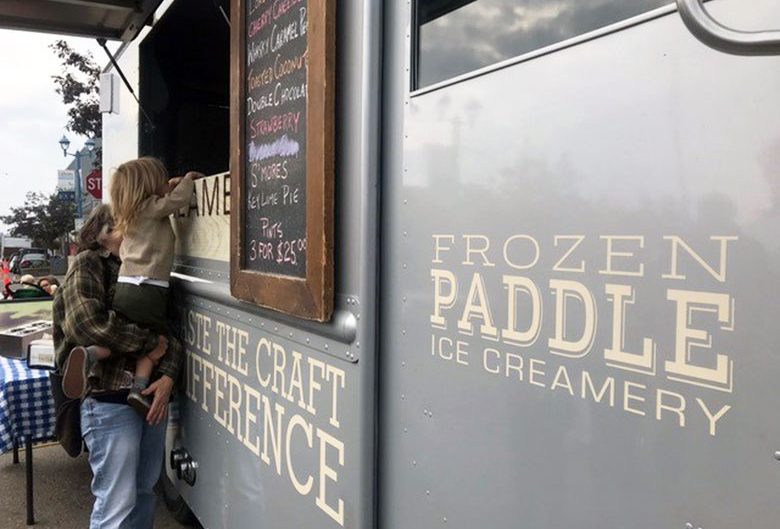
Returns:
(90, 145)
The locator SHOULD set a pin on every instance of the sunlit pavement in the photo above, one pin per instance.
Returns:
(62, 496)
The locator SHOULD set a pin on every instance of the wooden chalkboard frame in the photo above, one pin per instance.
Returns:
(310, 297)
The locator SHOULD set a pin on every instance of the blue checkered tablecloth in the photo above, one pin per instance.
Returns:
(26, 405)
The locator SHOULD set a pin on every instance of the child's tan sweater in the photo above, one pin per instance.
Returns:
(148, 246)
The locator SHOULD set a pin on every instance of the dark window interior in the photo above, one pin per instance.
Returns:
(185, 88)
(454, 37)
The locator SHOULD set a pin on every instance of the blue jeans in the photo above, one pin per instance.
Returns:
(126, 456)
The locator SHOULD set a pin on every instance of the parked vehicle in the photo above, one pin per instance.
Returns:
(556, 263)
(35, 264)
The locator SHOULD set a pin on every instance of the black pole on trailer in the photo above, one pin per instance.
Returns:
(221, 10)
(102, 43)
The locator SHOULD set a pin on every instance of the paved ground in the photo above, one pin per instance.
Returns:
(62, 496)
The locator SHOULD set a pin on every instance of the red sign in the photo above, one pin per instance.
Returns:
(95, 184)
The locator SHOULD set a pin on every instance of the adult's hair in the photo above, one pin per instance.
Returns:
(51, 279)
(99, 222)
(133, 183)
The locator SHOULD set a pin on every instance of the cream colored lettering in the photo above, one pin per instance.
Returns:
(713, 419)
(449, 349)
(678, 242)
(234, 399)
(438, 247)
(220, 412)
(688, 339)
(559, 344)
(609, 385)
(481, 249)
(250, 419)
(527, 337)
(314, 385)
(488, 352)
(612, 254)
(337, 377)
(558, 266)
(531, 262)
(477, 305)
(302, 488)
(616, 355)
(679, 409)
(514, 362)
(208, 367)
(629, 397)
(265, 344)
(562, 374)
(440, 299)
(296, 380)
(272, 432)
(196, 375)
(280, 361)
(533, 371)
(328, 473)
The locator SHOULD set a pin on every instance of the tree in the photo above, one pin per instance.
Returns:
(43, 219)
(78, 85)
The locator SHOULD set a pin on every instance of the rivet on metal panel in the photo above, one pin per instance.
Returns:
(428, 493)
(291, 335)
(262, 325)
(777, 455)
(425, 412)
(405, 266)
(276, 329)
(406, 201)
(414, 462)
(403, 364)
(403, 396)
(406, 430)
(357, 344)
(308, 340)
(326, 347)
(403, 331)
(444, 519)
(688, 525)
(404, 299)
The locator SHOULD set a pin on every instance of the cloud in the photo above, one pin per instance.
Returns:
(489, 31)
(32, 116)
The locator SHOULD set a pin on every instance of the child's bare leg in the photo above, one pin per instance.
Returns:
(143, 371)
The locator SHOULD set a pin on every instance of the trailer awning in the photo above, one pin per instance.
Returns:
(109, 19)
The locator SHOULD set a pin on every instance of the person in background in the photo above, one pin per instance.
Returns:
(49, 284)
(125, 451)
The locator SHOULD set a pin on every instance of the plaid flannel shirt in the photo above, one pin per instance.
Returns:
(81, 316)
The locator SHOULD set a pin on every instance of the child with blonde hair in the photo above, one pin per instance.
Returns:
(143, 198)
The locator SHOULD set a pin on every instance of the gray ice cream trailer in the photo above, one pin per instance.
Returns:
(487, 263)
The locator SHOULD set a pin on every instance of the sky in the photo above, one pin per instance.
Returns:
(32, 115)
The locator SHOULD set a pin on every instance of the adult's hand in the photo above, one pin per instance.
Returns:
(161, 389)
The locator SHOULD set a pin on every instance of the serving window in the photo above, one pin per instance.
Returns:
(184, 87)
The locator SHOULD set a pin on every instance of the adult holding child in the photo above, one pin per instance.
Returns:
(126, 449)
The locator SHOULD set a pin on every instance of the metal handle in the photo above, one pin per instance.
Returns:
(725, 39)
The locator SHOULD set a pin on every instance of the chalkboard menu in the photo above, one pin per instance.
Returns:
(275, 176)
(282, 76)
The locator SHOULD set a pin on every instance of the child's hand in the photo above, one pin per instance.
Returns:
(158, 352)
(195, 175)
(173, 182)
